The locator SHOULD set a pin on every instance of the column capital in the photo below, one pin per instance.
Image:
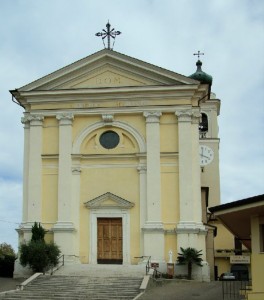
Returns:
(65, 118)
(142, 169)
(188, 115)
(25, 120)
(196, 116)
(32, 119)
(184, 115)
(152, 117)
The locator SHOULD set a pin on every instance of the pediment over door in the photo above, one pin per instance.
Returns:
(109, 200)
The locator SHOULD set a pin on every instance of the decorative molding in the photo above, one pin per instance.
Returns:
(189, 115)
(76, 170)
(117, 202)
(108, 119)
(63, 226)
(191, 228)
(153, 226)
(152, 117)
(33, 119)
(142, 169)
(184, 115)
(196, 116)
(65, 118)
(25, 121)
(125, 126)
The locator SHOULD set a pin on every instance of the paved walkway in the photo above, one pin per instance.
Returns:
(184, 290)
(7, 284)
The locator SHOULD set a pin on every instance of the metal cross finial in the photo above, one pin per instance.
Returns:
(198, 54)
(109, 33)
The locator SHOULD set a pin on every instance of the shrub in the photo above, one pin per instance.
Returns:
(38, 232)
(7, 260)
(38, 255)
(189, 256)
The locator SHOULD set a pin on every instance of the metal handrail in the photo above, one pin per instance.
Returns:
(148, 262)
(53, 269)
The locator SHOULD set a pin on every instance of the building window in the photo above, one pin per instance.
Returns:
(261, 235)
(109, 139)
(238, 246)
(203, 126)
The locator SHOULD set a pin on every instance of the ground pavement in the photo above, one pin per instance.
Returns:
(184, 290)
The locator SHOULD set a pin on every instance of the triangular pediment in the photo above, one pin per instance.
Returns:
(107, 68)
(109, 200)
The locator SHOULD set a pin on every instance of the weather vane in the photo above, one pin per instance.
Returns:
(109, 33)
(198, 54)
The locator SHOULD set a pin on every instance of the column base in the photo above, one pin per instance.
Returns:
(193, 235)
(153, 236)
(198, 273)
(65, 238)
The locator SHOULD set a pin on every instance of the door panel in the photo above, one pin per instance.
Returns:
(110, 241)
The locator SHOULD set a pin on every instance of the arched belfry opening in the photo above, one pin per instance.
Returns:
(203, 125)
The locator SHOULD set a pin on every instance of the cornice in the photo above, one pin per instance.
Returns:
(135, 92)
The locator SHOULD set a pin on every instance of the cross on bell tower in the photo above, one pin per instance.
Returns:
(198, 54)
(109, 33)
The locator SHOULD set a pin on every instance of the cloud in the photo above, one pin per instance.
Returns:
(10, 211)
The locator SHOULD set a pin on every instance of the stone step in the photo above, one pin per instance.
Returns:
(78, 287)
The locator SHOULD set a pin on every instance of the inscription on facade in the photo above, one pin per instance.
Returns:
(108, 80)
(109, 104)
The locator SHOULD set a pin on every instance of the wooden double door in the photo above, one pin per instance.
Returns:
(109, 241)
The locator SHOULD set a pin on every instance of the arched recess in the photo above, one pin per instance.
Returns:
(81, 137)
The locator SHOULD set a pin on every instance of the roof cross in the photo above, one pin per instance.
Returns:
(109, 33)
(198, 54)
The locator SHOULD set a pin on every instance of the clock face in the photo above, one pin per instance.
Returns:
(206, 155)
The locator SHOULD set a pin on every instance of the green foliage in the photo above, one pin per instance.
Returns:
(38, 255)
(6, 249)
(190, 256)
(38, 232)
(7, 260)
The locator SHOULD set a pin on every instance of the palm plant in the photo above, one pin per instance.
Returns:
(189, 256)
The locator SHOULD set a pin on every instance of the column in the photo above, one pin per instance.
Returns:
(75, 204)
(153, 228)
(34, 188)
(190, 230)
(64, 228)
(26, 122)
(142, 170)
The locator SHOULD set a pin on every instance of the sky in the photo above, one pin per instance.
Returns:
(38, 37)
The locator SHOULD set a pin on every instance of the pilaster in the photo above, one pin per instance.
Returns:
(26, 122)
(142, 170)
(190, 230)
(34, 179)
(153, 227)
(64, 234)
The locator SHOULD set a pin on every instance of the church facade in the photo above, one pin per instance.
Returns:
(121, 160)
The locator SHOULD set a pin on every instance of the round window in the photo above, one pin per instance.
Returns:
(109, 139)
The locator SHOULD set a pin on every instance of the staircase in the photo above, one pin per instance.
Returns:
(79, 287)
